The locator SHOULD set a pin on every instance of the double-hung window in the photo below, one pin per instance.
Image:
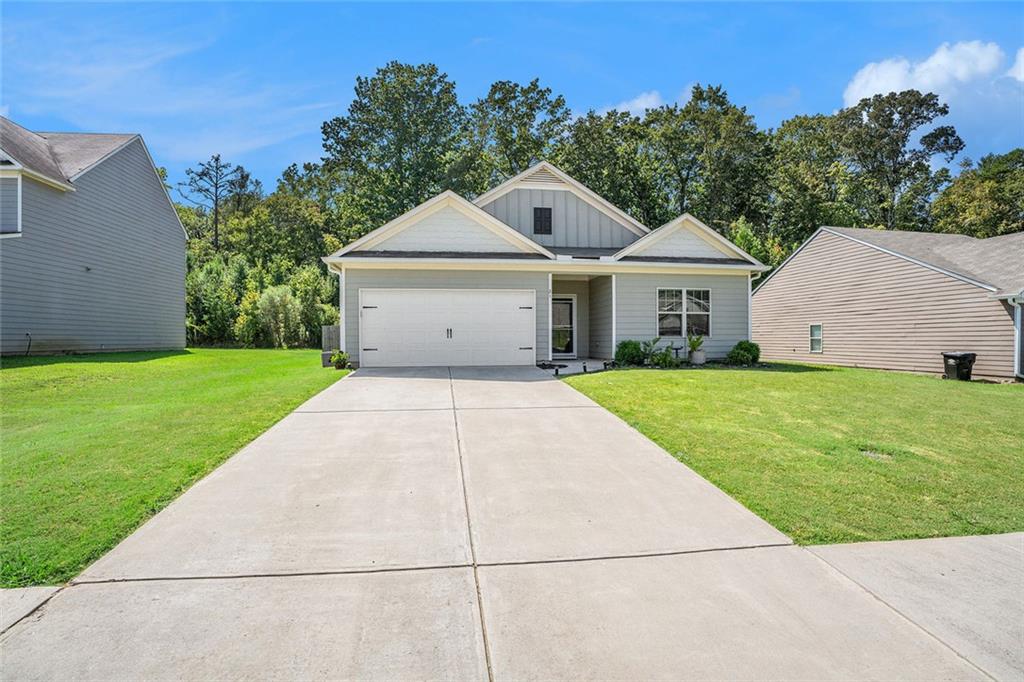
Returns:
(10, 205)
(684, 312)
(816, 337)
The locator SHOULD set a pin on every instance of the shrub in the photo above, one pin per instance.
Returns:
(629, 353)
(664, 359)
(249, 328)
(280, 315)
(695, 342)
(339, 359)
(744, 353)
(648, 348)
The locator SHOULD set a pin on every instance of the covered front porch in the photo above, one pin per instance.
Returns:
(582, 318)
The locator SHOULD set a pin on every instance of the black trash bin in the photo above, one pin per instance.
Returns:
(958, 365)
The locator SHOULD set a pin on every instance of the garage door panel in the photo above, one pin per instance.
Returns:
(409, 327)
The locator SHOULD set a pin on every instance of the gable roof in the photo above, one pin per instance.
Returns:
(57, 158)
(994, 263)
(545, 175)
(447, 199)
(688, 222)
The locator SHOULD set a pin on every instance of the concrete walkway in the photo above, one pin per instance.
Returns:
(464, 524)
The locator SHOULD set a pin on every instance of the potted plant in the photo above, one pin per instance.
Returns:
(339, 360)
(696, 343)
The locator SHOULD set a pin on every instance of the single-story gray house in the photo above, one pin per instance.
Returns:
(538, 268)
(92, 253)
(895, 300)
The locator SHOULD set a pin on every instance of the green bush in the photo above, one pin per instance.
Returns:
(339, 359)
(280, 315)
(665, 359)
(629, 353)
(744, 353)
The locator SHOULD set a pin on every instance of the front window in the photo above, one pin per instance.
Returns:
(670, 312)
(541, 220)
(698, 312)
(684, 311)
(816, 337)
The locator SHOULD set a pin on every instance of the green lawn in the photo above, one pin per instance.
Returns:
(93, 445)
(836, 454)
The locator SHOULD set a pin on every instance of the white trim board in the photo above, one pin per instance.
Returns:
(696, 227)
(447, 199)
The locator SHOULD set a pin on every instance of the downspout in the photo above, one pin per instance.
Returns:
(1018, 322)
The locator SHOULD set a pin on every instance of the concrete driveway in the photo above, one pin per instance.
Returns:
(464, 524)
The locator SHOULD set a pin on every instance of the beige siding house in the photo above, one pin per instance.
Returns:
(895, 300)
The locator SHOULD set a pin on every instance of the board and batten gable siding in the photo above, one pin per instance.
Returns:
(581, 290)
(101, 268)
(574, 222)
(600, 309)
(447, 230)
(878, 310)
(9, 205)
(373, 278)
(636, 301)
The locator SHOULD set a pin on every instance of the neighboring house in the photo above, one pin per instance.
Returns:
(895, 300)
(539, 268)
(92, 254)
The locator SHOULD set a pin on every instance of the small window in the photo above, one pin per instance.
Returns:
(670, 312)
(816, 337)
(10, 206)
(698, 312)
(541, 220)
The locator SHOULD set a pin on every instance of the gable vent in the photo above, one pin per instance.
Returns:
(544, 176)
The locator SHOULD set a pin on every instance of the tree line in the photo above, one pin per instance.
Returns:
(255, 277)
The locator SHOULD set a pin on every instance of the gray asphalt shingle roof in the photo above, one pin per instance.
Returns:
(996, 261)
(57, 156)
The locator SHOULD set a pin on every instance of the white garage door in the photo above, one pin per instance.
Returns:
(422, 327)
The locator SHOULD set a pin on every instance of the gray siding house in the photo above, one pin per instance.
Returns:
(895, 300)
(539, 268)
(92, 254)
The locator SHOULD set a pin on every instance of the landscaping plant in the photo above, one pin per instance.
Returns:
(339, 359)
(629, 353)
(744, 353)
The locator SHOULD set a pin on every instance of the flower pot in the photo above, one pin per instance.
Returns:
(697, 357)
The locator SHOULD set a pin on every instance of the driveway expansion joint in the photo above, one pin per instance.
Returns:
(900, 613)
(469, 532)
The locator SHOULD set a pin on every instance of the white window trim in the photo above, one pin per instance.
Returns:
(8, 235)
(684, 313)
(575, 328)
(810, 337)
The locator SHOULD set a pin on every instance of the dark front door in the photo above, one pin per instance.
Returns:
(563, 332)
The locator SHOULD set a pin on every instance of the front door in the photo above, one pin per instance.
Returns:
(563, 327)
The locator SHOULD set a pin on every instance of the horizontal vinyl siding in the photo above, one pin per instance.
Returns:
(356, 279)
(600, 300)
(447, 230)
(637, 300)
(582, 291)
(574, 222)
(878, 310)
(101, 268)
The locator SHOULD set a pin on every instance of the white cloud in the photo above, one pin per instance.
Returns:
(1017, 70)
(639, 104)
(950, 66)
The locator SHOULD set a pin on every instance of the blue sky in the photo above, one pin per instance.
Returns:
(254, 81)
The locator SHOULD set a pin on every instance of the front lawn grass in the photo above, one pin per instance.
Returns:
(93, 445)
(838, 454)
